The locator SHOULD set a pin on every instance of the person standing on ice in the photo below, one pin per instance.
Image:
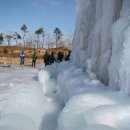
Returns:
(68, 56)
(22, 57)
(60, 56)
(46, 58)
(52, 58)
(34, 58)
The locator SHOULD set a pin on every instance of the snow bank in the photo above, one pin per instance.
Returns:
(80, 101)
(48, 76)
(88, 103)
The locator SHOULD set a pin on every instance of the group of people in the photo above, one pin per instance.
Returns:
(48, 59)
(22, 58)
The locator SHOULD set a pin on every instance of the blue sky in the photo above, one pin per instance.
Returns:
(37, 13)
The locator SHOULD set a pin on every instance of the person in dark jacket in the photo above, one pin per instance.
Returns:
(52, 58)
(46, 59)
(68, 56)
(34, 58)
(22, 57)
(60, 57)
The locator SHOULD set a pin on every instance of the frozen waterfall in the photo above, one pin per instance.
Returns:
(102, 37)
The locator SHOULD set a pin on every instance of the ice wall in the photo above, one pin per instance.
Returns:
(102, 36)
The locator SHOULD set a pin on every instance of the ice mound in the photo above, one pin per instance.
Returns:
(49, 85)
(43, 76)
(16, 121)
(111, 115)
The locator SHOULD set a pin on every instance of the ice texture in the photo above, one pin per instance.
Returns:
(102, 37)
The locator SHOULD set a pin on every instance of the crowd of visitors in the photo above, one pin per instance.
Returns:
(47, 58)
(50, 59)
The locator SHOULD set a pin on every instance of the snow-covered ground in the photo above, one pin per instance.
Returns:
(59, 97)
(21, 98)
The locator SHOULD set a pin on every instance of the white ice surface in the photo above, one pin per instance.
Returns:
(21, 98)
(73, 100)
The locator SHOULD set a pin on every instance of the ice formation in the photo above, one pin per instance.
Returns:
(102, 36)
(80, 101)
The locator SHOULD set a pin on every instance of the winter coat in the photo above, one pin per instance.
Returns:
(60, 56)
(46, 58)
(67, 57)
(52, 59)
(34, 57)
(22, 56)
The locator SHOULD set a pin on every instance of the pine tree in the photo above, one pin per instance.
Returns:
(58, 35)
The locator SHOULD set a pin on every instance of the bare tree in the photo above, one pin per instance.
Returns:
(16, 37)
(49, 39)
(9, 37)
(43, 36)
(30, 41)
(40, 32)
(1, 38)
